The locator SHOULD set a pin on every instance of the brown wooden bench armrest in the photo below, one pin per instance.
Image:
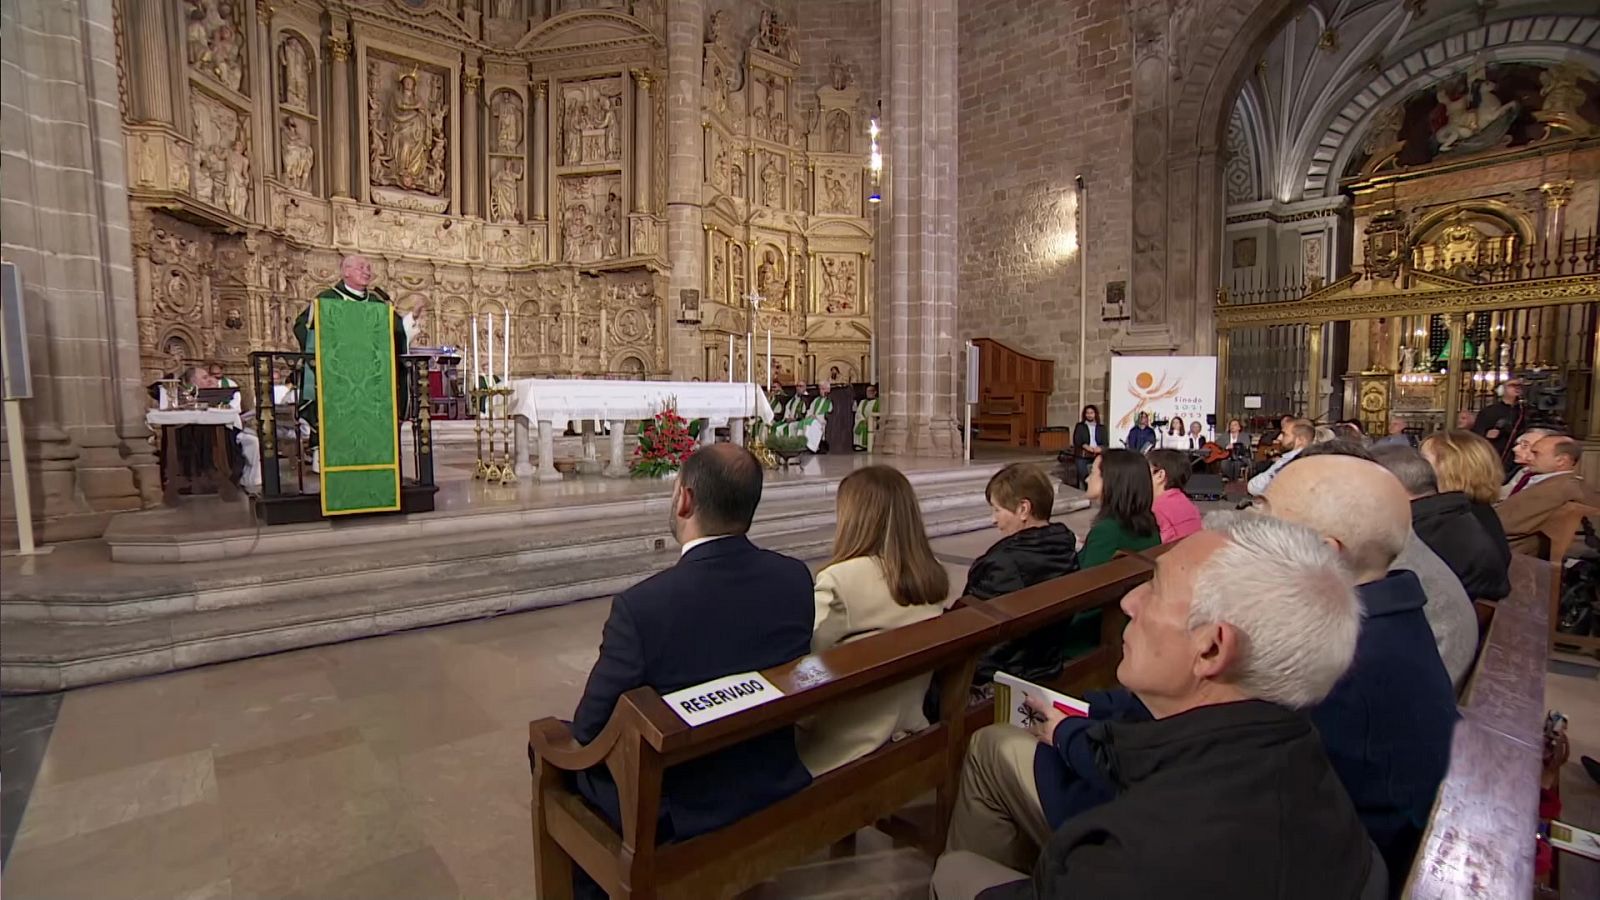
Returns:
(551, 740)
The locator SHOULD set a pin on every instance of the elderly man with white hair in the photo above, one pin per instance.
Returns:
(1218, 785)
(355, 284)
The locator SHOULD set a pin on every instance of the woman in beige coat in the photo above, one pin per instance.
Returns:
(882, 575)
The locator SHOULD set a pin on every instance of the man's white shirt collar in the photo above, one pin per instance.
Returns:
(698, 541)
(347, 289)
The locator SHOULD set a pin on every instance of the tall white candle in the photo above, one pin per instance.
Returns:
(505, 338)
(730, 359)
(769, 359)
(475, 368)
(750, 357)
(489, 317)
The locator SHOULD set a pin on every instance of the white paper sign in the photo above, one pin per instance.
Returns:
(721, 697)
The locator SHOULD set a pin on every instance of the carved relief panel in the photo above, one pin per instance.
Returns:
(839, 191)
(591, 218)
(215, 41)
(838, 284)
(297, 96)
(408, 110)
(221, 174)
(591, 122)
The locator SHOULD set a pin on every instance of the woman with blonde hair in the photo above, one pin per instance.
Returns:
(882, 575)
(1465, 461)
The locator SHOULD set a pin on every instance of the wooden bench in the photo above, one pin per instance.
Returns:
(1558, 534)
(1480, 838)
(644, 737)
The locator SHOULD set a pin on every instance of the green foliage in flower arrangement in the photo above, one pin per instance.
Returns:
(786, 443)
(665, 441)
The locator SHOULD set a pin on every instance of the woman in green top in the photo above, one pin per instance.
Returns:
(1120, 481)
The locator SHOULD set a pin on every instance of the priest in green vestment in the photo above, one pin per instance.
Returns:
(352, 394)
(814, 421)
(866, 430)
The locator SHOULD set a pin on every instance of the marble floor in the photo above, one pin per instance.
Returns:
(392, 767)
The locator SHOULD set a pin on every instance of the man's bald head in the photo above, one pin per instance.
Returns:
(356, 270)
(1353, 502)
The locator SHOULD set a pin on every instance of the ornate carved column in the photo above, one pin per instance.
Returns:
(541, 149)
(916, 309)
(339, 125)
(151, 78)
(471, 79)
(685, 180)
(644, 157)
(1556, 195)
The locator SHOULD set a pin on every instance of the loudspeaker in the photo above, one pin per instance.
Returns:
(1205, 486)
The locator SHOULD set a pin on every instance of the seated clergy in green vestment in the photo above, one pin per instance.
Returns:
(866, 430)
(792, 411)
(352, 393)
(814, 421)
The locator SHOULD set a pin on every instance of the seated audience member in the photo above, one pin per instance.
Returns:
(1521, 455)
(1448, 609)
(1397, 436)
(1222, 789)
(1322, 434)
(1351, 431)
(1446, 524)
(1176, 514)
(1141, 436)
(1465, 461)
(1386, 725)
(1549, 480)
(1031, 549)
(1120, 481)
(726, 607)
(1088, 441)
(1239, 443)
(1295, 438)
(882, 575)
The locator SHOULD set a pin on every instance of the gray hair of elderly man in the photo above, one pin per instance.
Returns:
(1284, 589)
(1415, 473)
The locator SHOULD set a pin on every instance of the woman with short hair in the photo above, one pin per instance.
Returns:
(1176, 515)
(882, 575)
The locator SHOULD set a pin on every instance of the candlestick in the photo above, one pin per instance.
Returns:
(769, 359)
(505, 337)
(730, 359)
(475, 368)
(750, 357)
(489, 317)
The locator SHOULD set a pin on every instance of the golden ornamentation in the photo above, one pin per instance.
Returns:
(471, 79)
(1556, 193)
(1340, 303)
(339, 48)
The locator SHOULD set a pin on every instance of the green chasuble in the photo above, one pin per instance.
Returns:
(864, 432)
(820, 407)
(356, 392)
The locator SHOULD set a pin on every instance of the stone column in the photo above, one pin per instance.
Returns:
(66, 226)
(541, 149)
(471, 79)
(1556, 195)
(644, 156)
(151, 75)
(685, 160)
(917, 256)
(340, 130)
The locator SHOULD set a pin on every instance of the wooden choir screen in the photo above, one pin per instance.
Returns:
(1013, 393)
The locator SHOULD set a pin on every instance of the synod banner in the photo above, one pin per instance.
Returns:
(358, 418)
(1163, 386)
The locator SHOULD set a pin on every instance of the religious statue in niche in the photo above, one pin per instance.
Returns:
(238, 177)
(770, 281)
(297, 154)
(801, 195)
(507, 108)
(505, 192)
(720, 173)
(771, 182)
(736, 176)
(216, 44)
(591, 127)
(296, 78)
(838, 131)
(776, 37)
(771, 121)
(719, 279)
(591, 210)
(408, 140)
(715, 81)
(736, 266)
(220, 178)
(1470, 114)
(841, 75)
(838, 285)
(1561, 99)
(797, 266)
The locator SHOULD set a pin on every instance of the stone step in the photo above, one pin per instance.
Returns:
(53, 655)
(126, 591)
(151, 537)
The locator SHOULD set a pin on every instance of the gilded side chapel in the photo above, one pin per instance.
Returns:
(493, 157)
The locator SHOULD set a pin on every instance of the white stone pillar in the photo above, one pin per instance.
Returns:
(151, 78)
(644, 155)
(541, 149)
(916, 311)
(340, 128)
(547, 452)
(471, 79)
(685, 166)
(616, 466)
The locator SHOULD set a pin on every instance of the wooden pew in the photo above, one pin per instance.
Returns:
(644, 737)
(1480, 837)
(1559, 533)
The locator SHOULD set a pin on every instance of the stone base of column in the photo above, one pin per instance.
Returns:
(73, 492)
(939, 438)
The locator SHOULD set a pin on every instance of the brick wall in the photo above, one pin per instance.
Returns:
(851, 29)
(1046, 94)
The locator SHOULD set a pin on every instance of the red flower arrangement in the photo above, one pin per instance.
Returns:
(665, 441)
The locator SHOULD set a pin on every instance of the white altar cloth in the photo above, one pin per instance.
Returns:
(160, 417)
(561, 401)
(551, 404)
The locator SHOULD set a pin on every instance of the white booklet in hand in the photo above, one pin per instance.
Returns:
(1011, 707)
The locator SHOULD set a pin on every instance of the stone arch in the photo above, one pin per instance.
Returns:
(631, 366)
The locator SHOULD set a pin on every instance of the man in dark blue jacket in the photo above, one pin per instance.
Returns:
(726, 607)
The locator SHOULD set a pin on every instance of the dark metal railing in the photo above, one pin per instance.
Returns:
(283, 438)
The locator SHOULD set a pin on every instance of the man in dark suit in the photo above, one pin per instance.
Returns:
(727, 607)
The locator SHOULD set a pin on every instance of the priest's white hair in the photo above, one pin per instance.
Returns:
(1293, 602)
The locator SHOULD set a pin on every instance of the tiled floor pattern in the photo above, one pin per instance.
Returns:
(393, 767)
